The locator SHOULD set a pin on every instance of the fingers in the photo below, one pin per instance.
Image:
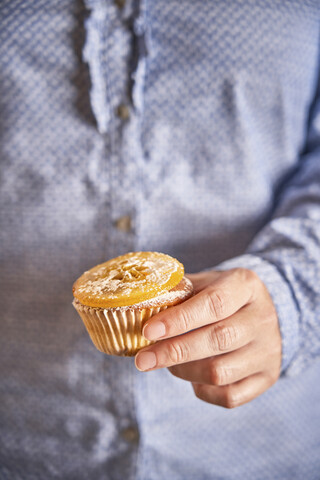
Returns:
(236, 394)
(225, 295)
(222, 369)
(225, 340)
(225, 336)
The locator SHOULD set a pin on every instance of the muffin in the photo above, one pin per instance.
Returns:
(116, 298)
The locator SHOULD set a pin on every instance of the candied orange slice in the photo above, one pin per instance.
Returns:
(128, 279)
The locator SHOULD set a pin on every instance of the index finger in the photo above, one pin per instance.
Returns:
(225, 296)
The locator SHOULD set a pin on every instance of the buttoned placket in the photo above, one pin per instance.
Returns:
(118, 51)
(120, 223)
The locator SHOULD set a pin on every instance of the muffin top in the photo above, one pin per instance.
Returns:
(129, 279)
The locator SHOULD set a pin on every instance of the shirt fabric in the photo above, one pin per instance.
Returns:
(214, 158)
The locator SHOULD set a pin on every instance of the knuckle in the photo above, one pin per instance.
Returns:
(274, 371)
(247, 275)
(251, 279)
(200, 393)
(269, 318)
(231, 399)
(274, 377)
(219, 374)
(216, 302)
(183, 321)
(178, 352)
(223, 338)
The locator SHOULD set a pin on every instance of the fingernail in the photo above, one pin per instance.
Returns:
(145, 360)
(154, 330)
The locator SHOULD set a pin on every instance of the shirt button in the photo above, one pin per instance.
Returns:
(120, 3)
(124, 223)
(130, 434)
(123, 112)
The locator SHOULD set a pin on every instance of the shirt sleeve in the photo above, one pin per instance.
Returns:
(286, 256)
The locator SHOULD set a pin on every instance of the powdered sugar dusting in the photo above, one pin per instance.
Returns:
(120, 278)
(174, 296)
(183, 290)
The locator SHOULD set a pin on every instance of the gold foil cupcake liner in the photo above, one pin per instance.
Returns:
(117, 331)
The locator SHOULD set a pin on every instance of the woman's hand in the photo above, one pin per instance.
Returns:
(230, 349)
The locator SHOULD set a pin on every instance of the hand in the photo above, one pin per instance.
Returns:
(231, 347)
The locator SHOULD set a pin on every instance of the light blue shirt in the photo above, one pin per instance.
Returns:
(212, 157)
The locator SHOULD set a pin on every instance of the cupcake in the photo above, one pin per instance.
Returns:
(116, 298)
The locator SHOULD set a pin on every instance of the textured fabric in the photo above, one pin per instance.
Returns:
(218, 165)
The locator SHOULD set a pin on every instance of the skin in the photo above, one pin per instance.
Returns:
(231, 347)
